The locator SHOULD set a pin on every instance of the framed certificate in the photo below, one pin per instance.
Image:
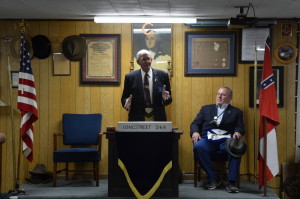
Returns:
(253, 44)
(210, 53)
(101, 64)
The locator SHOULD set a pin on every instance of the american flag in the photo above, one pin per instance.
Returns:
(26, 99)
(269, 119)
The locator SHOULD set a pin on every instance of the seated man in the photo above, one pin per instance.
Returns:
(2, 138)
(212, 126)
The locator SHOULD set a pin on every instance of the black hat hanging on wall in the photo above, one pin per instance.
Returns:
(74, 47)
(41, 46)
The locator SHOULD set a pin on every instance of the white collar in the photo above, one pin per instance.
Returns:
(224, 106)
(149, 72)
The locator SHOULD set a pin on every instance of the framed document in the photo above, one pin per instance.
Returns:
(251, 38)
(61, 65)
(14, 79)
(210, 53)
(101, 65)
(278, 78)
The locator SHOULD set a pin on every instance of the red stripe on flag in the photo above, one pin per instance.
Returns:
(28, 108)
(27, 94)
(26, 82)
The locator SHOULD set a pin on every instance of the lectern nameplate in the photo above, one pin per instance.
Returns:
(145, 126)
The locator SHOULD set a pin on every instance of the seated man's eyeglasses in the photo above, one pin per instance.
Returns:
(222, 94)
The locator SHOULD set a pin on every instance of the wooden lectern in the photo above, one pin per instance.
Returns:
(117, 183)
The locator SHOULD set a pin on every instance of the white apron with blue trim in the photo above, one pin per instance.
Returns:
(217, 135)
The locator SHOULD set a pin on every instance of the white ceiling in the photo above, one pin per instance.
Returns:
(87, 9)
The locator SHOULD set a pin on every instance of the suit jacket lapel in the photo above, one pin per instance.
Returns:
(226, 114)
(214, 110)
(139, 83)
(154, 82)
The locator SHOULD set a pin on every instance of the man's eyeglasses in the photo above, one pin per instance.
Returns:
(145, 59)
(222, 95)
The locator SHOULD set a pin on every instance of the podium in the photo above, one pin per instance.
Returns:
(117, 183)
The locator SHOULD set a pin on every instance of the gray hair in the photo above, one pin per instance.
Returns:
(230, 92)
(141, 52)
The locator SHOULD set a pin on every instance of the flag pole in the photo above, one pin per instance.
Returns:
(16, 190)
(255, 108)
(22, 25)
(11, 119)
(265, 157)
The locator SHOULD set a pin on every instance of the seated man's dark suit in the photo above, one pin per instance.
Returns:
(134, 85)
(232, 122)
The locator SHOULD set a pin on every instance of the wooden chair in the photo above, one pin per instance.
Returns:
(80, 133)
(219, 159)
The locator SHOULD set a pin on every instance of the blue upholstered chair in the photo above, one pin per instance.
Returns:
(81, 132)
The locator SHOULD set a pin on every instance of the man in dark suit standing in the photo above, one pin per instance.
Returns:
(146, 91)
(212, 126)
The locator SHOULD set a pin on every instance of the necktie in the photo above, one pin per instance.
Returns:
(147, 91)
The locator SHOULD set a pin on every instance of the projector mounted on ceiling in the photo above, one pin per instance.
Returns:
(242, 19)
(249, 21)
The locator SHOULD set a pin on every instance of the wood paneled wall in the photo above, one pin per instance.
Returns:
(64, 94)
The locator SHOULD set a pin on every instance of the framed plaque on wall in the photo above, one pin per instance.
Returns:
(251, 39)
(210, 53)
(101, 65)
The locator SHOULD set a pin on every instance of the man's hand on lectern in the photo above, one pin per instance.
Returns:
(127, 105)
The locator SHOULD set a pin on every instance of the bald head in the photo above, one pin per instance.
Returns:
(144, 59)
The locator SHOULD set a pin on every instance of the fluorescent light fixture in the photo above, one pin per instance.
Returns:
(157, 30)
(143, 19)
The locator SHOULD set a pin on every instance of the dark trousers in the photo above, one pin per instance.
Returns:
(204, 150)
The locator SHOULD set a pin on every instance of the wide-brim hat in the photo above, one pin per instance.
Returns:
(15, 46)
(41, 46)
(39, 175)
(38, 181)
(236, 147)
(39, 169)
(39, 178)
(74, 47)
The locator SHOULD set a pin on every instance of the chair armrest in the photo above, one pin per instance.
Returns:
(100, 141)
(55, 135)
